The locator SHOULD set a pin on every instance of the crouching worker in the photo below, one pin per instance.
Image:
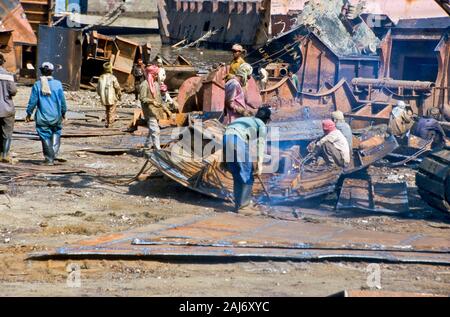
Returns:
(333, 146)
(47, 96)
(428, 128)
(237, 141)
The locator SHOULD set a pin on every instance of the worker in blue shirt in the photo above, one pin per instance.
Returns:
(238, 138)
(47, 96)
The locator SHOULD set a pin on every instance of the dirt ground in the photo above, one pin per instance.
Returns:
(42, 211)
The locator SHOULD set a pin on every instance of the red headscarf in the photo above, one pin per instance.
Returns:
(163, 88)
(152, 70)
(328, 126)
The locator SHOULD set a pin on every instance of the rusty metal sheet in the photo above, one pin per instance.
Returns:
(74, 132)
(7, 49)
(371, 196)
(13, 18)
(372, 293)
(235, 236)
(33, 169)
(62, 47)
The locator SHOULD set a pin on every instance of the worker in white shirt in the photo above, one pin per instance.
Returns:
(333, 146)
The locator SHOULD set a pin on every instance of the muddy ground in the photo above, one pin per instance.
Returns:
(41, 211)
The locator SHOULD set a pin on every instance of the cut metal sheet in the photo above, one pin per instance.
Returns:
(372, 196)
(234, 236)
(75, 132)
(63, 49)
(371, 293)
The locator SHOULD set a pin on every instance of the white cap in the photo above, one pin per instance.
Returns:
(48, 65)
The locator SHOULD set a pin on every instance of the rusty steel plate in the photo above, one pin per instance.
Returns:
(372, 196)
(234, 236)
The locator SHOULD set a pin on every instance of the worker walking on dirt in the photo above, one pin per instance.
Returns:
(237, 61)
(235, 100)
(401, 119)
(108, 89)
(152, 105)
(139, 76)
(239, 140)
(8, 90)
(332, 147)
(344, 127)
(47, 95)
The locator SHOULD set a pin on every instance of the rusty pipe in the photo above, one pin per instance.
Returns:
(393, 83)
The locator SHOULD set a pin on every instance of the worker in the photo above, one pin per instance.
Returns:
(139, 76)
(171, 104)
(428, 128)
(344, 127)
(294, 79)
(332, 147)
(238, 141)
(263, 78)
(108, 89)
(237, 61)
(8, 90)
(162, 72)
(401, 119)
(47, 95)
(152, 106)
(235, 104)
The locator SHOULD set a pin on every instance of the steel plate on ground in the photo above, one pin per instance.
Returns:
(230, 235)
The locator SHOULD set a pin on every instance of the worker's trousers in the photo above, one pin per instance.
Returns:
(153, 133)
(331, 155)
(238, 163)
(110, 115)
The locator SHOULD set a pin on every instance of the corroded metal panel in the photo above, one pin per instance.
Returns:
(234, 236)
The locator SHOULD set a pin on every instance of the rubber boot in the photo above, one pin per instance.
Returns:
(5, 151)
(237, 191)
(47, 149)
(56, 138)
(246, 195)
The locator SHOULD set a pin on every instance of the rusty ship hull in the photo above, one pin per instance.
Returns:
(249, 22)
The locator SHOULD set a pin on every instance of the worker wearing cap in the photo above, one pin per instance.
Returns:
(8, 90)
(401, 119)
(238, 139)
(333, 146)
(235, 100)
(237, 61)
(47, 96)
(152, 105)
(344, 127)
(108, 89)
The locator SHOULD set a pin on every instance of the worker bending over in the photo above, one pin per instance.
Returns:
(239, 142)
(428, 128)
(401, 119)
